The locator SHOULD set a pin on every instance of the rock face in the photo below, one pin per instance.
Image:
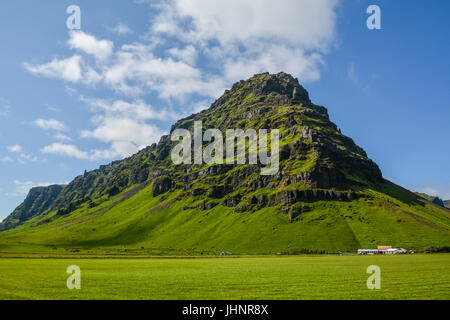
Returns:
(38, 201)
(438, 201)
(161, 185)
(317, 162)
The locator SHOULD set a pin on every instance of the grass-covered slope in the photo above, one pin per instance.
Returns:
(143, 224)
(327, 196)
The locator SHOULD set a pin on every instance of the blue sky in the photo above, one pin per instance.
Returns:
(72, 100)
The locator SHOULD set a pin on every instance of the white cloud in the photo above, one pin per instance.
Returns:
(188, 54)
(100, 49)
(122, 29)
(55, 127)
(125, 135)
(22, 155)
(273, 59)
(138, 109)
(133, 70)
(308, 23)
(65, 149)
(25, 157)
(61, 137)
(260, 35)
(124, 126)
(67, 69)
(15, 148)
(136, 70)
(50, 124)
(237, 38)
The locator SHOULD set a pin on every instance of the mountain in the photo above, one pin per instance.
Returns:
(447, 203)
(436, 200)
(327, 196)
(37, 201)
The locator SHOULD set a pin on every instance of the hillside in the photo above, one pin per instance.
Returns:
(436, 200)
(38, 200)
(328, 196)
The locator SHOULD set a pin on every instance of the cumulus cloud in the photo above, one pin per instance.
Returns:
(137, 69)
(22, 156)
(126, 136)
(132, 70)
(76, 69)
(307, 23)
(124, 126)
(187, 54)
(50, 124)
(273, 59)
(121, 125)
(68, 69)
(137, 109)
(61, 137)
(100, 49)
(53, 127)
(66, 150)
(15, 148)
(246, 30)
(121, 29)
(236, 38)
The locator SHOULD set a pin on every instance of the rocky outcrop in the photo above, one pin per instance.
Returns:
(161, 185)
(438, 201)
(39, 199)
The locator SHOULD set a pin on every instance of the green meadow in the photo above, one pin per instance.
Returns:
(258, 277)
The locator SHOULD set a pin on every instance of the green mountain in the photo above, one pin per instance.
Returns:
(328, 196)
(38, 200)
(436, 200)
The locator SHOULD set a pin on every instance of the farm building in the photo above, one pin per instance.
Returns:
(382, 250)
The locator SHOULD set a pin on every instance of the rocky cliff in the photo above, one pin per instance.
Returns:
(39, 200)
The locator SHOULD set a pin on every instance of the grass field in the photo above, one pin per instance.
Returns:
(284, 277)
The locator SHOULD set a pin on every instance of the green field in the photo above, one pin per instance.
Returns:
(272, 277)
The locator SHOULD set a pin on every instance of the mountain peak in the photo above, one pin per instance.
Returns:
(277, 89)
(314, 155)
